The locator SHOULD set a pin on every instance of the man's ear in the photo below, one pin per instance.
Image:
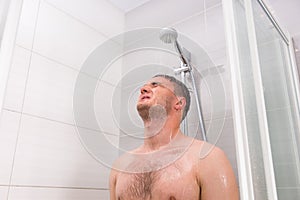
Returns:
(180, 104)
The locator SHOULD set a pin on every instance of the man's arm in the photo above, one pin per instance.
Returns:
(216, 177)
(112, 184)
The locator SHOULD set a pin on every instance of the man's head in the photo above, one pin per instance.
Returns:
(166, 91)
(180, 90)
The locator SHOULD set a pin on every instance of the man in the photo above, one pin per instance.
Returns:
(170, 165)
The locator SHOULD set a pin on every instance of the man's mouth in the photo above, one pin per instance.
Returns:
(144, 97)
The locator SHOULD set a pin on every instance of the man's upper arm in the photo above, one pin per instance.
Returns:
(217, 179)
(112, 184)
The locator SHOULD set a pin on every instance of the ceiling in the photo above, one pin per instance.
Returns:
(128, 5)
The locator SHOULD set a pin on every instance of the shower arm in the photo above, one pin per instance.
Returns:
(182, 57)
(199, 109)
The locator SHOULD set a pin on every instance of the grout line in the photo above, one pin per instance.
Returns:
(48, 58)
(205, 16)
(20, 119)
(196, 14)
(272, 110)
(53, 187)
(82, 22)
(57, 121)
(289, 187)
(75, 18)
(68, 66)
(280, 108)
(229, 116)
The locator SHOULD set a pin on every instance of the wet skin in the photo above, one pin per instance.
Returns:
(171, 177)
(202, 171)
(170, 165)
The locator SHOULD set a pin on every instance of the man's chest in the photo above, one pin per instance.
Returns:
(170, 183)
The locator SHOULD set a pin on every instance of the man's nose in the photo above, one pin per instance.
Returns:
(145, 89)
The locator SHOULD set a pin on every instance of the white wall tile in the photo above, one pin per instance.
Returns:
(214, 93)
(50, 90)
(8, 137)
(218, 131)
(142, 64)
(107, 106)
(103, 147)
(50, 94)
(27, 23)
(100, 14)
(287, 175)
(113, 73)
(51, 154)
(96, 105)
(105, 62)
(206, 29)
(219, 56)
(27, 193)
(212, 3)
(17, 79)
(63, 38)
(3, 192)
(288, 193)
(221, 133)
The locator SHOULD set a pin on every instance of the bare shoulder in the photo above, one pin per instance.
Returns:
(214, 172)
(206, 152)
(209, 156)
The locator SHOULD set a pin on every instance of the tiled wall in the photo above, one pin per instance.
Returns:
(42, 154)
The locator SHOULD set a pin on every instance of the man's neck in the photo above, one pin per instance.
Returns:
(160, 134)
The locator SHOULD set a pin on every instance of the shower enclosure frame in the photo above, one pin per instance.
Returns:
(240, 127)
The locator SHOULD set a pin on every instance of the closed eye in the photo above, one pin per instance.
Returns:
(155, 84)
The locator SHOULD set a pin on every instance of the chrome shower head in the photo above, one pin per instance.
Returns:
(168, 35)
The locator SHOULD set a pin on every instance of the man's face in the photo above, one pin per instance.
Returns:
(158, 91)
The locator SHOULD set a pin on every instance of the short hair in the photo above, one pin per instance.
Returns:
(180, 89)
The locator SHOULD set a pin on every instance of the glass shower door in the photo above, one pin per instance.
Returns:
(280, 102)
(265, 102)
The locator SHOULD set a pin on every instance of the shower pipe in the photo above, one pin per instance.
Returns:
(169, 35)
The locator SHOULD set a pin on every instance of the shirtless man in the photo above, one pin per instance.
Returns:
(170, 165)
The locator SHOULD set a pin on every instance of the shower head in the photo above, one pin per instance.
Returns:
(168, 35)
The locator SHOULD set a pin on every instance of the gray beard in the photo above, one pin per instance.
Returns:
(157, 113)
(143, 111)
(155, 118)
(152, 113)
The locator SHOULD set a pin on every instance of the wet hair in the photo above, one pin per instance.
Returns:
(181, 90)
